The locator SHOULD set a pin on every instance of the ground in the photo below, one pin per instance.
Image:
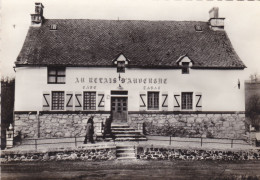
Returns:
(136, 169)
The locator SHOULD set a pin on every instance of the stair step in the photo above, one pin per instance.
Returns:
(130, 139)
(125, 151)
(122, 129)
(125, 154)
(126, 158)
(127, 135)
(124, 145)
(125, 132)
(120, 126)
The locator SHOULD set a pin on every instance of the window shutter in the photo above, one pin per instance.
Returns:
(101, 101)
(69, 101)
(176, 101)
(78, 101)
(198, 101)
(46, 101)
(142, 101)
(165, 101)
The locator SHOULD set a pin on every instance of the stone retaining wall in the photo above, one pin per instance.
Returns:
(178, 125)
(191, 125)
(85, 154)
(168, 153)
(54, 125)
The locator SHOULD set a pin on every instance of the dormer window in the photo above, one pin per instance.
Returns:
(198, 28)
(185, 67)
(121, 66)
(53, 27)
(184, 62)
(121, 61)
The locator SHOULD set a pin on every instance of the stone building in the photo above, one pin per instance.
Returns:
(179, 78)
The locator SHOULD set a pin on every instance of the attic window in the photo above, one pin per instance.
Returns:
(185, 67)
(53, 27)
(121, 66)
(198, 28)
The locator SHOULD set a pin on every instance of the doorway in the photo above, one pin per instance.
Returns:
(119, 109)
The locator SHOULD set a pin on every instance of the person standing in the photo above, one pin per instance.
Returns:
(107, 128)
(89, 131)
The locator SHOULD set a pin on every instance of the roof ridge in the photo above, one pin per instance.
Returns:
(131, 20)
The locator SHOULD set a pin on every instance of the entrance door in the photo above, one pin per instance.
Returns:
(119, 109)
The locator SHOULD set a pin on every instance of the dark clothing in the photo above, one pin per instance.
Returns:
(89, 131)
(107, 128)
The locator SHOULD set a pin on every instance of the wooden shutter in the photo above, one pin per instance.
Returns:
(198, 101)
(78, 101)
(46, 101)
(69, 101)
(165, 101)
(142, 101)
(101, 101)
(176, 101)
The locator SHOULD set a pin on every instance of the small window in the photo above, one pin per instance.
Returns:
(89, 101)
(58, 100)
(53, 27)
(198, 28)
(185, 68)
(153, 100)
(120, 66)
(186, 100)
(56, 75)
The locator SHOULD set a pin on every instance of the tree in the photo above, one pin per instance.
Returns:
(7, 106)
(253, 110)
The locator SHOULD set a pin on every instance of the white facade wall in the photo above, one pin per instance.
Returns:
(219, 88)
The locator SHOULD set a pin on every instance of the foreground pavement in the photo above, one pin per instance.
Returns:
(135, 169)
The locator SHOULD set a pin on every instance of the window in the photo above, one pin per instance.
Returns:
(89, 101)
(53, 27)
(120, 66)
(153, 100)
(56, 75)
(186, 100)
(198, 28)
(58, 100)
(185, 67)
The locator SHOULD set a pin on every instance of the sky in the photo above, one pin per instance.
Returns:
(242, 22)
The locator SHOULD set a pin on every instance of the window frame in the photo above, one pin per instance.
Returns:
(84, 105)
(56, 75)
(52, 99)
(121, 66)
(186, 105)
(185, 68)
(153, 101)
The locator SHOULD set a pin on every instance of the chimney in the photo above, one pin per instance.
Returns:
(215, 22)
(37, 18)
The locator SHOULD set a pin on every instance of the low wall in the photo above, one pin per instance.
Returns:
(85, 154)
(54, 125)
(191, 125)
(178, 125)
(168, 153)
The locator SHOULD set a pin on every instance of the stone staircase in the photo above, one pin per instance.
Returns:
(125, 152)
(123, 132)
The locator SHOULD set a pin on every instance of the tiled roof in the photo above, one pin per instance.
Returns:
(147, 44)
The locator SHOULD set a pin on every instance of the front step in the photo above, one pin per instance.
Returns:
(123, 132)
(125, 152)
(130, 139)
